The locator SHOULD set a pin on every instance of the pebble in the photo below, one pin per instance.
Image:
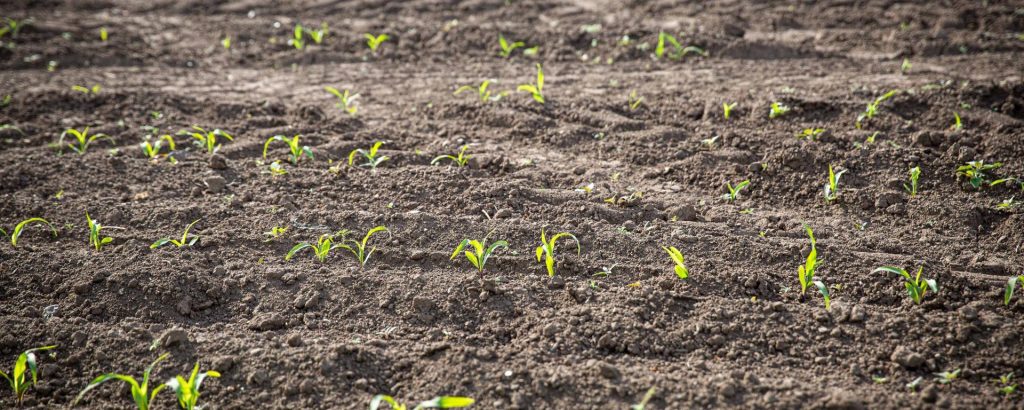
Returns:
(174, 337)
(215, 183)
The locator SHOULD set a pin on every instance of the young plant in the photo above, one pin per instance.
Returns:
(806, 271)
(323, 246)
(872, 108)
(957, 124)
(976, 172)
(536, 88)
(482, 91)
(183, 242)
(297, 40)
(506, 47)
(441, 402)
(20, 227)
(679, 260)
(140, 391)
(346, 101)
(947, 377)
(461, 160)
(678, 51)
(82, 139)
(358, 248)
(1011, 284)
(297, 151)
(810, 134)
(275, 232)
(480, 253)
(375, 41)
(915, 173)
(187, 390)
(86, 90)
(152, 150)
(17, 379)
(547, 249)
(905, 67)
(372, 159)
(1007, 387)
(916, 286)
(832, 187)
(727, 109)
(206, 139)
(634, 101)
(96, 238)
(823, 289)
(643, 402)
(734, 191)
(13, 26)
(317, 35)
(226, 42)
(777, 110)
(276, 169)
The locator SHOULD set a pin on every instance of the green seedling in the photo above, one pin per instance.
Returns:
(1007, 386)
(536, 88)
(17, 379)
(916, 286)
(810, 134)
(185, 241)
(12, 127)
(372, 159)
(805, 273)
(1007, 180)
(734, 191)
(13, 26)
(679, 260)
(152, 150)
(206, 139)
(976, 172)
(323, 246)
(879, 379)
(94, 90)
(832, 187)
(461, 159)
(905, 67)
(375, 41)
(947, 377)
(276, 168)
(777, 110)
(347, 101)
(96, 238)
(140, 391)
(6, 101)
(643, 402)
(20, 227)
(546, 249)
(317, 36)
(823, 289)
(275, 232)
(957, 124)
(226, 42)
(634, 101)
(297, 151)
(358, 248)
(82, 139)
(297, 40)
(441, 402)
(727, 109)
(915, 173)
(187, 390)
(1007, 204)
(480, 253)
(506, 47)
(482, 91)
(103, 34)
(1011, 284)
(678, 51)
(914, 384)
(872, 108)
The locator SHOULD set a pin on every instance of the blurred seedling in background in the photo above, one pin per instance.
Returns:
(832, 187)
(297, 39)
(1007, 204)
(275, 232)
(872, 108)
(906, 66)
(185, 241)
(1006, 384)
(370, 155)
(347, 101)
(141, 393)
(17, 379)
(947, 377)
(441, 402)
(642, 405)
(678, 260)
(734, 191)
(206, 139)
(12, 27)
(976, 172)
(546, 250)
(374, 42)
(20, 228)
(94, 90)
(777, 110)
(634, 101)
(811, 134)
(727, 109)
(296, 151)
(461, 159)
(537, 88)
(678, 51)
(957, 124)
(82, 139)
(152, 149)
(506, 47)
(916, 286)
(319, 35)
(482, 91)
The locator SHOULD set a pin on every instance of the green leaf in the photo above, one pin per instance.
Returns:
(382, 398)
(298, 247)
(459, 248)
(159, 243)
(1011, 284)
(16, 233)
(891, 269)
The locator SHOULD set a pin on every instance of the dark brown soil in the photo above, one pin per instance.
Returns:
(304, 334)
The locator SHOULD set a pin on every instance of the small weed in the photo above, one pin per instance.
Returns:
(811, 134)
(905, 67)
(957, 124)
(642, 405)
(275, 232)
(94, 90)
(187, 390)
(947, 377)
(1011, 284)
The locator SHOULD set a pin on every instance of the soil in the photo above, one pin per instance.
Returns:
(415, 324)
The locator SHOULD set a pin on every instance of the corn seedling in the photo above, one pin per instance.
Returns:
(810, 134)
(957, 124)
(187, 390)
(461, 159)
(183, 242)
(1007, 387)
(536, 88)
(17, 379)
(482, 91)
(206, 139)
(1011, 284)
(152, 150)
(678, 51)
(276, 168)
(480, 253)
(94, 90)
(297, 40)
(872, 108)
(679, 260)
(1007, 180)
(634, 101)
(226, 42)
(546, 249)
(275, 232)
(916, 286)
(323, 246)
(6, 100)
(734, 191)
(727, 109)
(914, 384)
(643, 402)
(13, 26)
(915, 173)
(441, 402)
(317, 35)
(947, 377)
(96, 238)
(297, 151)
(506, 47)
(805, 273)
(375, 41)
(82, 139)
(905, 67)
(358, 248)
(140, 391)
(347, 101)
(976, 172)
(832, 187)
(777, 110)
(823, 289)
(372, 159)
(20, 227)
